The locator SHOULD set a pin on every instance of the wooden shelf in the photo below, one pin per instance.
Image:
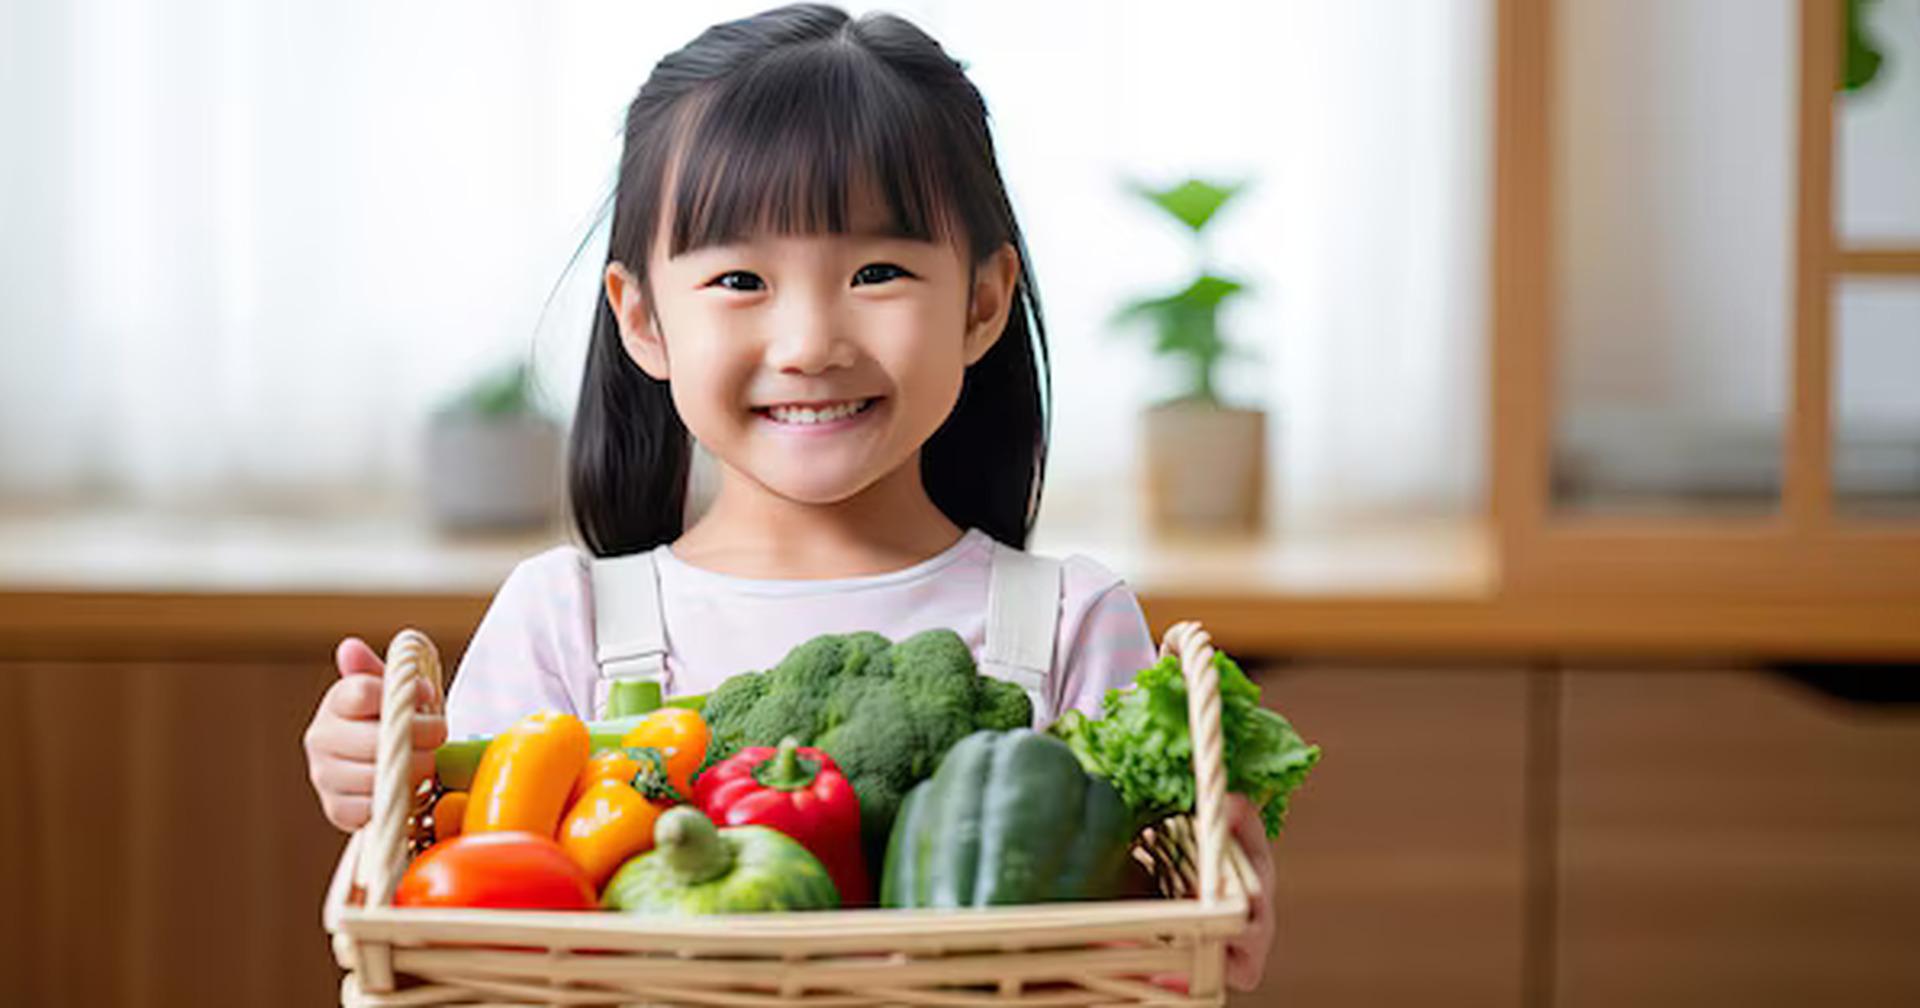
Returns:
(110, 585)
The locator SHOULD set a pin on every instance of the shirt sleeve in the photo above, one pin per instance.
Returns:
(1106, 647)
(529, 649)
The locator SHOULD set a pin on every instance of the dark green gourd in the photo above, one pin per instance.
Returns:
(1009, 817)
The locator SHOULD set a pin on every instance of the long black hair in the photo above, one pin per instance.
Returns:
(769, 122)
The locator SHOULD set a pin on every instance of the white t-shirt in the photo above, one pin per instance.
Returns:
(535, 647)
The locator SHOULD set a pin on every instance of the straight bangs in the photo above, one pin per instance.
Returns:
(784, 146)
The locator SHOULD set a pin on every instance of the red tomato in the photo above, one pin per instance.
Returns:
(505, 870)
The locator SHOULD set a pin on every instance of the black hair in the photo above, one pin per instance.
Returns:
(769, 122)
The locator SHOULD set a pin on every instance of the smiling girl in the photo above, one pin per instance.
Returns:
(815, 273)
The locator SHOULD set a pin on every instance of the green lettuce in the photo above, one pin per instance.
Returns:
(1141, 744)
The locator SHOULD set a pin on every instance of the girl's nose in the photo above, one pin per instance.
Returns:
(807, 339)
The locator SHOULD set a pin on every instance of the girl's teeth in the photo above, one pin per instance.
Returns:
(802, 415)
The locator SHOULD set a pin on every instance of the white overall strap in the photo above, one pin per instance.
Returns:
(629, 631)
(1023, 613)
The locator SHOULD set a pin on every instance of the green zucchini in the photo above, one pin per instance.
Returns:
(1008, 818)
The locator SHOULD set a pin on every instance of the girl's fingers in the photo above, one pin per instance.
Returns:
(1247, 953)
(334, 775)
(354, 697)
(342, 777)
(357, 697)
(339, 738)
(355, 657)
(420, 767)
(1245, 822)
(1243, 972)
(348, 813)
(429, 731)
(359, 740)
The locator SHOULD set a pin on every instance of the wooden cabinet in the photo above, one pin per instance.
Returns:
(161, 844)
(1735, 838)
(1401, 873)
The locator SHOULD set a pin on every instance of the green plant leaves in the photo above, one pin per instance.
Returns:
(1193, 202)
(506, 392)
(1187, 324)
(1862, 61)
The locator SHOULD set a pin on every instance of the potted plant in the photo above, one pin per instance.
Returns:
(492, 457)
(1205, 461)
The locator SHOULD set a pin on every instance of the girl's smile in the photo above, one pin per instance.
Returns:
(818, 418)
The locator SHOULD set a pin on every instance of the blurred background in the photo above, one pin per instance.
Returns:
(1572, 390)
(254, 247)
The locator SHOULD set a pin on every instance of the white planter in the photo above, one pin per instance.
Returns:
(493, 472)
(1205, 468)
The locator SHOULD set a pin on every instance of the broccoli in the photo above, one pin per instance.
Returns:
(885, 712)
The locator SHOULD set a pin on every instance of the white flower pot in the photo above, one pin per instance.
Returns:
(493, 472)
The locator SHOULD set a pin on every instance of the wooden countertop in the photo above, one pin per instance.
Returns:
(103, 583)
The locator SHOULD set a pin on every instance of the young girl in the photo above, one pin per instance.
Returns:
(815, 272)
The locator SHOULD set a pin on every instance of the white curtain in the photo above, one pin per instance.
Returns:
(245, 248)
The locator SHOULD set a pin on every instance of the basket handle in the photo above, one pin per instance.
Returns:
(1195, 649)
(383, 851)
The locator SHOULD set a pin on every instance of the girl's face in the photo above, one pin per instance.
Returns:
(815, 365)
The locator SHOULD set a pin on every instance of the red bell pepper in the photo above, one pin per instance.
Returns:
(799, 792)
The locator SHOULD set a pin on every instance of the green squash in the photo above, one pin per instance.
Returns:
(1009, 817)
(697, 869)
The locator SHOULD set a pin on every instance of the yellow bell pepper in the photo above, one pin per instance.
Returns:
(526, 774)
(609, 824)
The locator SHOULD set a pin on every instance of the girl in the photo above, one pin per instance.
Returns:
(815, 272)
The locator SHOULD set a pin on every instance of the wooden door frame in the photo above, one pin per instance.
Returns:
(1804, 550)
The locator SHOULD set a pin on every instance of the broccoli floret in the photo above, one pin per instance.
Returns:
(730, 704)
(1004, 706)
(885, 712)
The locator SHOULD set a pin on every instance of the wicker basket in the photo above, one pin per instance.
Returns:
(1058, 954)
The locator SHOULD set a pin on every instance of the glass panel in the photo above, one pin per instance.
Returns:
(1673, 203)
(1877, 130)
(1876, 457)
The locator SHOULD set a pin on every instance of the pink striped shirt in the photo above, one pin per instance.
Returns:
(535, 647)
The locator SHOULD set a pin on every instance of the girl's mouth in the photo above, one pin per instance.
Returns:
(822, 417)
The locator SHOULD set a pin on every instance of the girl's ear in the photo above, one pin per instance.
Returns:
(990, 300)
(638, 333)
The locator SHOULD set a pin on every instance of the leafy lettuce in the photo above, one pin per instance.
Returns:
(1141, 744)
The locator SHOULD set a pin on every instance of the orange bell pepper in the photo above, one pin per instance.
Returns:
(609, 824)
(449, 814)
(526, 775)
(680, 736)
(608, 764)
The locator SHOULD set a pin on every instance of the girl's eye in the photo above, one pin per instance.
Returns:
(738, 280)
(875, 273)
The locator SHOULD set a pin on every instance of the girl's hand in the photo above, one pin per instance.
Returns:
(345, 733)
(1247, 954)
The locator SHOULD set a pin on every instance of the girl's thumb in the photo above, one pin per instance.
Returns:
(354, 657)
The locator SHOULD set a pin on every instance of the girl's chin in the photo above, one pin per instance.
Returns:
(817, 491)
